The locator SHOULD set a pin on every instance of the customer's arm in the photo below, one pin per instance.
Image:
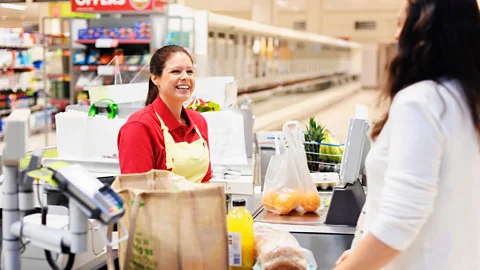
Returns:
(407, 199)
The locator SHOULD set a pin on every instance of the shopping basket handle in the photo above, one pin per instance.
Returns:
(108, 104)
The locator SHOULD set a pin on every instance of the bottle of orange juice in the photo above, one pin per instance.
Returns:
(240, 237)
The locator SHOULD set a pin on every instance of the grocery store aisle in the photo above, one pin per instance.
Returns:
(337, 117)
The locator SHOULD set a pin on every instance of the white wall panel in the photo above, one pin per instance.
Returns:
(221, 5)
(342, 24)
(356, 5)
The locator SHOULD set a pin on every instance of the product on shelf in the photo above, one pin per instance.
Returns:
(140, 30)
(82, 99)
(57, 63)
(105, 59)
(21, 81)
(124, 33)
(133, 60)
(15, 59)
(16, 37)
(85, 80)
(145, 59)
(93, 57)
(79, 58)
(120, 56)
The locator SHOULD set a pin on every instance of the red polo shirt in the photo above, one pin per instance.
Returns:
(140, 141)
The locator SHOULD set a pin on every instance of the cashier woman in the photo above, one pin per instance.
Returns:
(423, 168)
(164, 135)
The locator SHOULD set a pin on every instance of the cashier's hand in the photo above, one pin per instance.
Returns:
(343, 257)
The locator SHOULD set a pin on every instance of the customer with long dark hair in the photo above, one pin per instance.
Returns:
(164, 135)
(424, 166)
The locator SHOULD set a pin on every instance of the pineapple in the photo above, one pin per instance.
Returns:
(313, 136)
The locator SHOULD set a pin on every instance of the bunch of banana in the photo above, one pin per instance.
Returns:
(329, 151)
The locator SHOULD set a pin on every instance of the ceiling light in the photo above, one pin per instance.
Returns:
(12, 6)
(282, 3)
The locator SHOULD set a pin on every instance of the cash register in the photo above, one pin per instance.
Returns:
(349, 196)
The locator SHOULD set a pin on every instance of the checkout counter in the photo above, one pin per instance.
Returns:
(327, 233)
(330, 231)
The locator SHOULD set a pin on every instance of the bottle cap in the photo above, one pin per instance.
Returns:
(239, 202)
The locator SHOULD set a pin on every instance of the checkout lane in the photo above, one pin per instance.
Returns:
(327, 242)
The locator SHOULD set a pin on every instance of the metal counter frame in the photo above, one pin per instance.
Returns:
(327, 242)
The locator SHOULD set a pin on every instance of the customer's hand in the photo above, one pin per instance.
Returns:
(343, 257)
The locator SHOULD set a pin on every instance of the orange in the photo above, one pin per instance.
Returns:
(310, 201)
(285, 202)
(268, 200)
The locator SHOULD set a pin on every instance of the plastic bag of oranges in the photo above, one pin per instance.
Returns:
(281, 193)
(309, 198)
(288, 183)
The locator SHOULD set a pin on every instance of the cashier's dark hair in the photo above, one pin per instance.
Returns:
(157, 64)
(440, 40)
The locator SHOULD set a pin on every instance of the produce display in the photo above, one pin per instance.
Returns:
(199, 105)
(275, 249)
(330, 149)
(324, 152)
(313, 137)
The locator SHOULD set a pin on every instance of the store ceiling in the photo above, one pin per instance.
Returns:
(31, 12)
(291, 5)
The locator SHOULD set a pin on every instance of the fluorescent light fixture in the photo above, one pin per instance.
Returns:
(282, 3)
(13, 6)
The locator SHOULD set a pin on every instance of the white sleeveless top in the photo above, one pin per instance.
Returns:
(423, 176)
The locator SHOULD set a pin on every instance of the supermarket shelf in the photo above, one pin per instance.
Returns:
(20, 69)
(33, 108)
(80, 89)
(20, 89)
(59, 76)
(123, 68)
(120, 41)
(15, 47)
(65, 47)
(56, 47)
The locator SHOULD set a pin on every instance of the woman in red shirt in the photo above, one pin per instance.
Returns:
(164, 135)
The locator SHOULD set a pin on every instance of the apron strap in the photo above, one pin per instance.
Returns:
(168, 140)
(198, 132)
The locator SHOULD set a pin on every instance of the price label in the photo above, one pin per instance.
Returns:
(132, 68)
(84, 68)
(235, 248)
(106, 70)
(106, 43)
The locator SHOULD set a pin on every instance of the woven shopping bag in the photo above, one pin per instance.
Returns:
(172, 223)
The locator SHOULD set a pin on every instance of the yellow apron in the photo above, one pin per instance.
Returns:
(190, 160)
